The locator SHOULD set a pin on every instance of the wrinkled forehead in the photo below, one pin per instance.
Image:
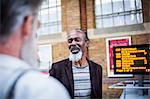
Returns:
(74, 34)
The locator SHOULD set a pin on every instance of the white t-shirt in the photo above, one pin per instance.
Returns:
(32, 85)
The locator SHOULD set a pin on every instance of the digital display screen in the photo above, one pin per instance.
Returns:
(134, 59)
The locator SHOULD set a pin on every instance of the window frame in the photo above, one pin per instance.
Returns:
(100, 16)
(54, 18)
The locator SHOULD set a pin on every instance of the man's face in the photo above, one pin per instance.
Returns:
(76, 42)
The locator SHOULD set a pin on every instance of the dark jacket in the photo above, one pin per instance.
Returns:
(62, 71)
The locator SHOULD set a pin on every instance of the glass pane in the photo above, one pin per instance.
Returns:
(59, 13)
(97, 2)
(106, 7)
(39, 31)
(98, 10)
(45, 30)
(139, 18)
(97, 7)
(98, 23)
(130, 19)
(45, 4)
(138, 4)
(58, 2)
(119, 20)
(53, 29)
(129, 5)
(53, 14)
(108, 22)
(44, 15)
(59, 27)
(52, 3)
(39, 15)
(45, 56)
(117, 6)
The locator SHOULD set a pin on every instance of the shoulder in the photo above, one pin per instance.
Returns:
(95, 64)
(61, 63)
(39, 86)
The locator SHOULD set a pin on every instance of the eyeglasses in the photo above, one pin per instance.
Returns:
(77, 39)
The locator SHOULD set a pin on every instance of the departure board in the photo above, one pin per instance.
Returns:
(134, 59)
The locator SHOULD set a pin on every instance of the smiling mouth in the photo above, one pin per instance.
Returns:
(74, 50)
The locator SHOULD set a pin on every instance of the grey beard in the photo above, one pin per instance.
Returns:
(75, 57)
(29, 49)
(29, 54)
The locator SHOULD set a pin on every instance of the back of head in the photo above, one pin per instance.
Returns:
(13, 14)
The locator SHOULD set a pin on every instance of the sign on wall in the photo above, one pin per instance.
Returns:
(132, 59)
(45, 56)
(114, 42)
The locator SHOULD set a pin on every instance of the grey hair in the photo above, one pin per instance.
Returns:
(81, 31)
(13, 13)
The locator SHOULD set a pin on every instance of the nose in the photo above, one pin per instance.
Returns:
(74, 42)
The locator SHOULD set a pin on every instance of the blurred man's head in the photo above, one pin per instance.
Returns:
(77, 43)
(17, 28)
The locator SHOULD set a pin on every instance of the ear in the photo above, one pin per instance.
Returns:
(87, 43)
(27, 27)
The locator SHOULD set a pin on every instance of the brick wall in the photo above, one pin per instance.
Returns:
(83, 15)
(60, 51)
(70, 14)
(90, 14)
(146, 10)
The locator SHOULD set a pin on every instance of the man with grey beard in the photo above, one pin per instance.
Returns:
(81, 76)
(18, 53)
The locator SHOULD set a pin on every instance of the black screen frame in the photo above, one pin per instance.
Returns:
(147, 46)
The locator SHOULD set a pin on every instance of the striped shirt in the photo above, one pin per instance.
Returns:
(82, 82)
